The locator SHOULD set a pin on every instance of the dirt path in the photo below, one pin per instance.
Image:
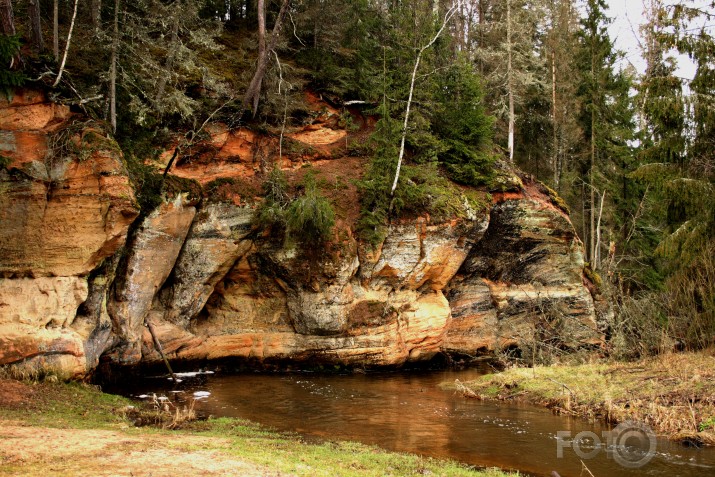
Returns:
(33, 451)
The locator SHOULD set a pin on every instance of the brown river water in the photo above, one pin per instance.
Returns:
(408, 412)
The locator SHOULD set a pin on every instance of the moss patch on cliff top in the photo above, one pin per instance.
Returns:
(75, 429)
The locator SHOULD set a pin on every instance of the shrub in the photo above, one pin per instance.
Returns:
(690, 300)
(681, 316)
(310, 218)
(271, 213)
(275, 187)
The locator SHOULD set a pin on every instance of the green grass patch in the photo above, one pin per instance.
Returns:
(72, 405)
(288, 453)
(79, 406)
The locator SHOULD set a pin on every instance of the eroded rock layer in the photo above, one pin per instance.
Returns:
(77, 287)
(66, 205)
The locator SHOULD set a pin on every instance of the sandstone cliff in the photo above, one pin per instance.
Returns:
(66, 205)
(78, 286)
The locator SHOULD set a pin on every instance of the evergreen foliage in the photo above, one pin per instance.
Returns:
(307, 219)
(10, 78)
(272, 211)
(637, 171)
(310, 217)
(463, 126)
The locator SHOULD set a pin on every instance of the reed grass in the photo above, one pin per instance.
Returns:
(672, 393)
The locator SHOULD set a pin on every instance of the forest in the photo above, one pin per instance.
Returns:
(459, 89)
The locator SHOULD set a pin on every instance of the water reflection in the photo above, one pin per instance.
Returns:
(409, 413)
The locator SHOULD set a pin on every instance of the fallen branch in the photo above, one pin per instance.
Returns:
(465, 390)
(158, 347)
(562, 384)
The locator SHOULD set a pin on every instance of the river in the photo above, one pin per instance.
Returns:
(408, 412)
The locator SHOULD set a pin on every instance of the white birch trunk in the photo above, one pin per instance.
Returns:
(113, 71)
(67, 46)
(447, 17)
(510, 82)
(597, 255)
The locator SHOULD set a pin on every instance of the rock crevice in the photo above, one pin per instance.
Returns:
(76, 289)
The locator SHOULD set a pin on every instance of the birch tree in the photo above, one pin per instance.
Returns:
(445, 21)
(67, 46)
(113, 69)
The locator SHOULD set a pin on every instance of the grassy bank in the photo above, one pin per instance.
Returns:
(674, 393)
(74, 429)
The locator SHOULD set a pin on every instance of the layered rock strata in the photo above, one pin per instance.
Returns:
(66, 205)
(77, 287)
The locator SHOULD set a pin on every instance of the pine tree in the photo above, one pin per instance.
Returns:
(158, 55)
(679, 163)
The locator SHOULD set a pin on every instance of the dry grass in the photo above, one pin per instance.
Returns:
(672, 393)
(160, 413)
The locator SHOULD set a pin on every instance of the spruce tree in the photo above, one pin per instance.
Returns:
(606, 121)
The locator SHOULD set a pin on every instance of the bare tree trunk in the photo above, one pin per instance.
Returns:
(555, 123)
(67, 46)
(583, 214)
(55, 30)
(173, 46)
(159, 349)
(447, 17)
(481, 34)
(592, 201)
(95, 14)
(7, 18)
(510, 83)
(261, 28)
(113, 71)
(591, 170)
(597, 255)
(33, 11)
(253, 93)
(285, 110)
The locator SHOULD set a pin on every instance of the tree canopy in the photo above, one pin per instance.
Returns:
(454, 85)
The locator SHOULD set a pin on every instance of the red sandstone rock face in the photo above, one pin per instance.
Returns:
(61, 216)
(214, 287)
(466, 287)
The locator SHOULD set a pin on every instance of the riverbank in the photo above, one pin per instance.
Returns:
(74, 429)
(674, 394)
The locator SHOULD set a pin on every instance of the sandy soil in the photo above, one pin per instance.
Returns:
(114, 453)
(33, 451)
